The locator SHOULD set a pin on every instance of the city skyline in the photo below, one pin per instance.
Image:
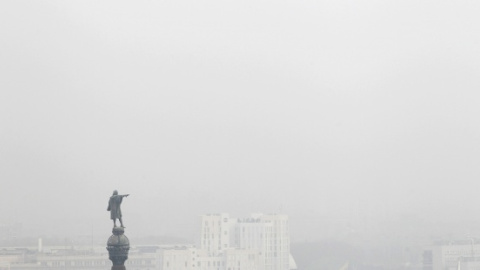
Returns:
(358, 119)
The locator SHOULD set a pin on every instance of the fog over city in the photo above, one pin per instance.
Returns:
(348, 116)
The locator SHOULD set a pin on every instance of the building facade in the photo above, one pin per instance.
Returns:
(457, 255)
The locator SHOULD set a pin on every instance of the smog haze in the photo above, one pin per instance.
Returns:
(336, 113)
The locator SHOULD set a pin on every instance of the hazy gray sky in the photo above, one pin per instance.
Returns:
(304, 107)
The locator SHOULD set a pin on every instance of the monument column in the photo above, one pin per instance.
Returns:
(118, 246)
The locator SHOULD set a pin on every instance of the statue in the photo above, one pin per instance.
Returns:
(114, 208)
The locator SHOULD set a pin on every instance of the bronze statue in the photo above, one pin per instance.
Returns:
(114, 208)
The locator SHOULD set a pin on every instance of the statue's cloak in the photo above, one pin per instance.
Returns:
(114, 206)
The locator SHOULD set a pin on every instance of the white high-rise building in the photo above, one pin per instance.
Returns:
(260, 242)
(269, 234)
(277, 250)
(215, 233)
